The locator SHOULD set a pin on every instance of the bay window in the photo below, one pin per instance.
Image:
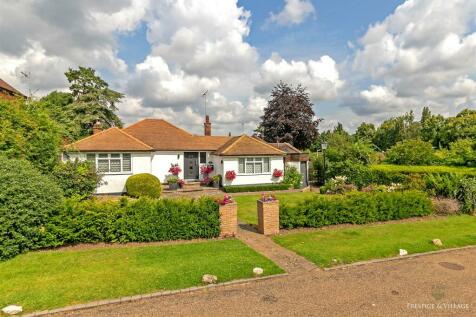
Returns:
(253, 165)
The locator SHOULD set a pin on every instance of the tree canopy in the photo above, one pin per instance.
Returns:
(289, 117)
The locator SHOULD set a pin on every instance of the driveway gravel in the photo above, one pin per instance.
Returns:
(442, 284)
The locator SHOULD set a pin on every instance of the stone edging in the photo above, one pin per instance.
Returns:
(397, 258)
(151, 295)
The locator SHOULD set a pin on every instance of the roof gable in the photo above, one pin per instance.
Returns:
(286, 147)
(112, 139)
(246, 145)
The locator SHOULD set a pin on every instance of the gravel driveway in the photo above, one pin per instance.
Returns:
(441, 284)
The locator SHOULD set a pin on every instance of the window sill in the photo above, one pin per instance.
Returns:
(121, 173)
(257, 174)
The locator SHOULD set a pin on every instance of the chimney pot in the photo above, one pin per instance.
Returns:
(207, 126)
(97, 127)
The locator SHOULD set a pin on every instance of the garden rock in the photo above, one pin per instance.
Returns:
(209, 279)
(257, 271)
(437, 242)
(12, 310)
(403, 252)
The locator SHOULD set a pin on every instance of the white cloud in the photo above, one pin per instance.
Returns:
(321, 77)
(422, 54)
(294, 12)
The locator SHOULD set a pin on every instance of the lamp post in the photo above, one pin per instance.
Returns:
(324, 148)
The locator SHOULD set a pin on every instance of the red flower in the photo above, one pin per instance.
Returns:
(267, 197)
(230, 175)
(206, 180)
(206, 169)
(277, 173)
(175, 169)
(181, 182)
(226, 200)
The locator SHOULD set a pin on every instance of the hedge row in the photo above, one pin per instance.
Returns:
(410, 169)
(141, 220)
(355, 208)
(94, 220)
(255, 188)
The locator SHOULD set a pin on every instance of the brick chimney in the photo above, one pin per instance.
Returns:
(207, 125)
(97, 127)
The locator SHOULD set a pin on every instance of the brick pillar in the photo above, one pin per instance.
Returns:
(228, 220)
(207, 126)
(268, 217)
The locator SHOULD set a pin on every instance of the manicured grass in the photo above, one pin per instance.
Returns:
(364, 242)
(51, 279)
(248, 213)
(424, 169)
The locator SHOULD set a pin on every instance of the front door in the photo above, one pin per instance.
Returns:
(304, 174)
(190, 165)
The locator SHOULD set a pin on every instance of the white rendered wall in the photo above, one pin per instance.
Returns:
(161, 162)
(231, 164)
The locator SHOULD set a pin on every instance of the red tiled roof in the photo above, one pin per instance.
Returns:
(246, 145)
(164, 136)
(286, 147)
(112, 139)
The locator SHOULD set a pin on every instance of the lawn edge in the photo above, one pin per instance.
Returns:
(125, 299)
(396, 258)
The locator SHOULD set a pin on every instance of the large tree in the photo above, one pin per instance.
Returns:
(93, 100)
(397, 129)
(289, 117)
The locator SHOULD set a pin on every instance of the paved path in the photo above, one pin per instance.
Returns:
(430, 285)
(287, 260)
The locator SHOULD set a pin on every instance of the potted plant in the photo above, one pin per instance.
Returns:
(173, 182)
(216, 180)
(277, 173)
(175, 169)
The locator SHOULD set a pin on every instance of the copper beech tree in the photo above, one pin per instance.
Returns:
(289, 117)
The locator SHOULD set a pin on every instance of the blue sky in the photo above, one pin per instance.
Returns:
(361, 61)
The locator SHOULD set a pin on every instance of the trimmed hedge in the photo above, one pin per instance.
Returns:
(143, 185)
(355, 208)
(255, 188)
(141, 220)
(27, 201)
(415, 169)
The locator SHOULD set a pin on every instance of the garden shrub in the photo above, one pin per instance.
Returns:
(141, 220)
(27, 199)
(355, 208)
(444, 185)
(337, 185)
(292, 177)
(76, 178)
(445, 206)
(411, 152)
(255, 188)
(143, 185)
(467, 195)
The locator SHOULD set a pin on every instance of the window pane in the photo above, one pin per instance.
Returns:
(126, 162)
(115, 155)
(241, 165)
(103, 156)
(266, 165)
(203, 157)
(249, 168)
(103, 166)
(258, 168)
(115, 166)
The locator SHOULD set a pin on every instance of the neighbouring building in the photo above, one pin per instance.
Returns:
(8, 92)
(153, 145)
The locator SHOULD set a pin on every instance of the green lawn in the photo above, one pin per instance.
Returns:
(248, 213)
(51, 279)
(364, 242)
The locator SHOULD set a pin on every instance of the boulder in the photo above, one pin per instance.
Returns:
(437, 242)
(209, 279)
(403, 252)
(257, 271)
(12, 309)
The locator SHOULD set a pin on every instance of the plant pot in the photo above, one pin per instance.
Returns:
(216, 184)
(173, 186)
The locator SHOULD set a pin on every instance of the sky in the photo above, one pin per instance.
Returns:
(360, 61)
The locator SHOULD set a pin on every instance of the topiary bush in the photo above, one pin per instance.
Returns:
(143, 185)
(76, 178)
(27, 201)
(254, 188)
(355, 208)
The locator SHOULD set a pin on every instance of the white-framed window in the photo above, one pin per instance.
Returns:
(111, 163)
(253, 165)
